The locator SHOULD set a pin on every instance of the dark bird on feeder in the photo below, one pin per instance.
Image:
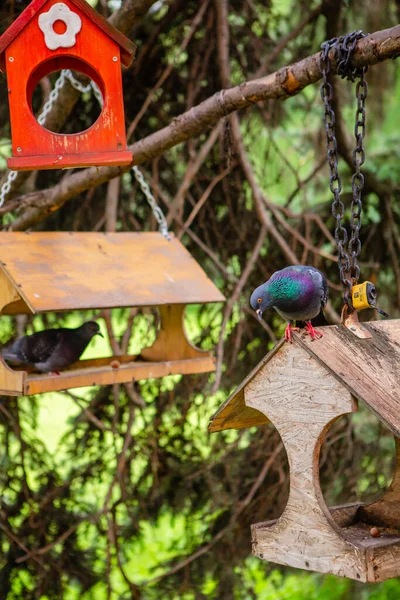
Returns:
(51, 350)
(297, 293)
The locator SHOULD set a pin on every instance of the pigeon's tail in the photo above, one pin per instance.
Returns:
(10, 356)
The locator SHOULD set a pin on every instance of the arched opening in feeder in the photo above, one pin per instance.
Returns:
(50, 71)
(373, 479)
(349, 471)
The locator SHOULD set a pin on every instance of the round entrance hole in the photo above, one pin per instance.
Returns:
(46, 79)
(357, 459)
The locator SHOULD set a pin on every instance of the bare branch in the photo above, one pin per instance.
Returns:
(280, 85)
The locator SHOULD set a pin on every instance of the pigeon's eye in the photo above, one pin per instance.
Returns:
(259, 300)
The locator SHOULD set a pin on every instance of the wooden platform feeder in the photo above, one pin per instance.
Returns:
(302, 388)
(50, 36)
(53, 271)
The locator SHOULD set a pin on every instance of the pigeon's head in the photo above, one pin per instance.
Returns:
(89, 330)
(260, 300)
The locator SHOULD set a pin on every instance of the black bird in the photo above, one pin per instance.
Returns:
(52, 350)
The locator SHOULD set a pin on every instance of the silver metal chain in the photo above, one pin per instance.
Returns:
(157, 212)
(144, 186)
(6, 187)
(66, 74)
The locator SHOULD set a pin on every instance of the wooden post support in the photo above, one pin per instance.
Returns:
(171, 342)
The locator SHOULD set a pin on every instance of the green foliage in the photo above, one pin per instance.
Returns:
(124, 494)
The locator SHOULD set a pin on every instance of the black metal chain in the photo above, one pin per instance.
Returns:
(348, 251)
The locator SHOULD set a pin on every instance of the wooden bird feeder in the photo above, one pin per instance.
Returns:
(49, 36)
(57, 271)
(302, 388)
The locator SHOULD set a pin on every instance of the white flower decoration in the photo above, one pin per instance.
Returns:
(73, 22)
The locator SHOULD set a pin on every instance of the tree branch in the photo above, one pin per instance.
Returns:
(280, 85)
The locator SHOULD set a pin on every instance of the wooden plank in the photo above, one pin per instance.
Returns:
(384, 562)
(344, 515)
(377, 559)
(9, 293)
(59, 271)
(369, 368)
(106, 375)
(65, 161)
(11, 382)
(233, 413)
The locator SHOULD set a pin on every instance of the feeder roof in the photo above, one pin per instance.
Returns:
(127, 47)
(60, 271)
(368, 368)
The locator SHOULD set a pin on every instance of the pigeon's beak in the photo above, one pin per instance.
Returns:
(259, 314)
(100, 334)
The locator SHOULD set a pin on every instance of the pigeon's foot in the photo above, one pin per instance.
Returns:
(288, 332)
(315, 335)
(54, 372)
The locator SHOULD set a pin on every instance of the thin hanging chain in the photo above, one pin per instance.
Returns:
(344, 47)
(12, 175)
(6, 187)
(157, 212)
(92, 86)
(144, 186)
(52, 98)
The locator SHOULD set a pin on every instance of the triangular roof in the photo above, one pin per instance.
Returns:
(127, 47)
(60, 271)
(368, 368)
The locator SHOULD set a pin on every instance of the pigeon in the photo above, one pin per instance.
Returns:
(52, 350)
(297, 293)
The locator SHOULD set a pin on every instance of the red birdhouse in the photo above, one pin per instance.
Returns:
(50, 36)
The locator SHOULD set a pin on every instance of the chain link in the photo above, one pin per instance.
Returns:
(144, 186)
(157, 212)
(6, 187)
(84, 89)
(52, 98)
(344, 47)
(357, 180)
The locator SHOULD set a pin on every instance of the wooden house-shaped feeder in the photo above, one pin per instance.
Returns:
(49, 36)
(302, 388)
(57, 271)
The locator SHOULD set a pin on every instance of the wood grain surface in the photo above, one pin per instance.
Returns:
(107, 375)
(58, 271)
(369, 369)
(302, 388)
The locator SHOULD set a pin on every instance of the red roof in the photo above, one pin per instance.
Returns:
(127, 47)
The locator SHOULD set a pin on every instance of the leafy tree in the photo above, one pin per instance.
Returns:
(120, 492)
